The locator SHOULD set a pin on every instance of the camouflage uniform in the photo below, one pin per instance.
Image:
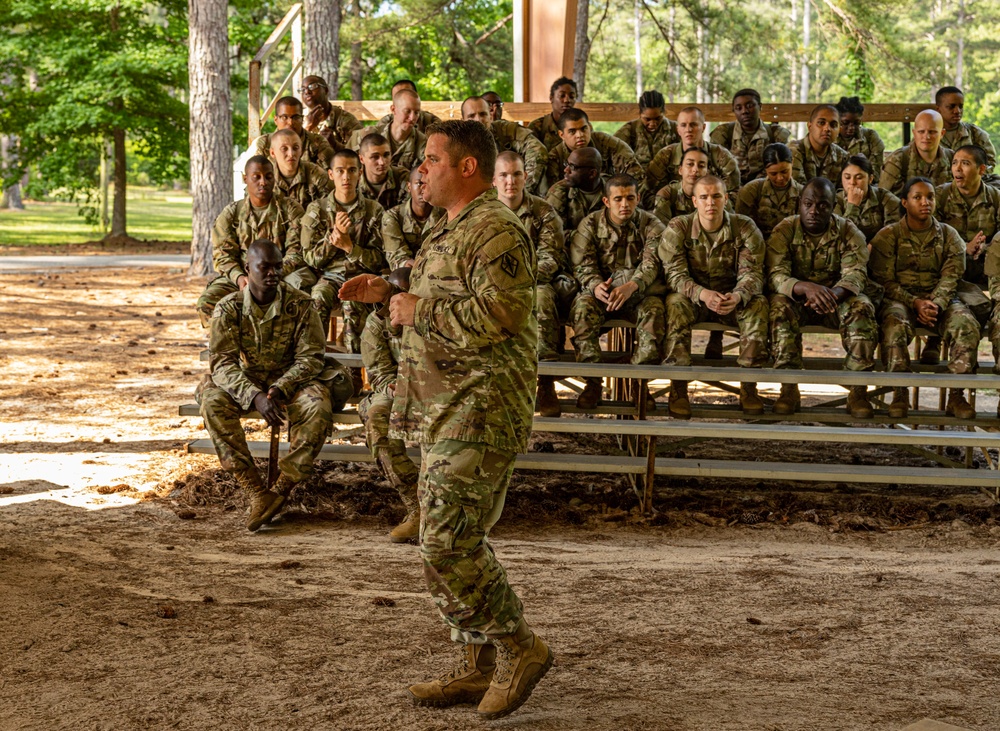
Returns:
(467, 374)
(672, 201)
(337, 126)
(394, 188)
(331, 267)
(512, 136)
(749, 150)
(734, 263)
(616, 157)
(806, 164)
(405, 153)
(911, 266)
(238, 226)
(767, 206)
(646, 145)
(380, 350)
(867, 143)
(310, 183)
(255, 349)
(602, 250)
(315, 148)
(402, 233)
(967, 133)
(968, 217)
(546, 130)
(572, 205)
(665, 168)
(424, 120)
(993, 326)
(836, 258)
(879, 208)
(906, 163)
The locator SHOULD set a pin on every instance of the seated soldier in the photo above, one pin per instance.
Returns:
(510, 136)
(581, 190)
(545, 232)
(405, 227)
(818, 155)
(771, 199)
(950, 102)
(747, 137)
(301, 181)
(576, 133)
(333, 122)
(714, 266)
(381, 344)
(264, 213)
(266, 349)
(424, 119)
(919, 262)
(381, 181)
(651, 132)
(665, 165)
(993, 327)
(562, 96)
(925, 156)
(674, 199)
(341, 237)
(817, 267)
(288, 115)
(406, 142)
(861, 201)
(614, 259)
(496, 105)
(855, 138)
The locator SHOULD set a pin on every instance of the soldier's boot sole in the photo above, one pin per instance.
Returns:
(713, 351)
(789, 401)
(931, 354)
(502, 700)
(408, 531)
(958, 406)
(858, 405)
(260, 504)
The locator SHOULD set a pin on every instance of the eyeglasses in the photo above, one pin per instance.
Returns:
(290, 117)
(496, 104)
(312, 87)
(571, 167)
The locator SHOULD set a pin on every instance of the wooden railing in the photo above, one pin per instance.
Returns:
(290, 24)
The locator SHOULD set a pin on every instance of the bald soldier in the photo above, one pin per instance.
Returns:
(581, 190)
(406, 227)
(381, 181)
(747, 137)
(513, 137)
(288, 115)
(576, 133)
(924, 157)
(818, 155)
(817, 271)
(333, 122)
(406, 142)
(424, 118)
(562, 96)
(665, 166)
(950, 104)
(652, 131)
(297, 179)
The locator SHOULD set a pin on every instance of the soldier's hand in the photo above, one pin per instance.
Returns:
(277, 397)
(401, 308)
(927, 312)
(620, 295)
(712, 299)
(976, 247)
(603, 291)
(369, 288)
(241, 282)
(267, 408)
(819, 298)
(728, 303)
(854, 194)
(341, 240)
(342, 222)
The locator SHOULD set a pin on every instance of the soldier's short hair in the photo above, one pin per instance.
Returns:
(405, 93)
(468, 139)
(651, 99)
(691, 150)
(406, 82)
(860, 161)
(257, 160)
(820, 107)
(572, 115)
(692, 110)
(905, 192)
(777, 153)
(711, 180)
(287, 101)
(977, 152)
(284, 133)
(472, 98)
(850, 105)
(621, 180)
(562, 81)
(263, 246)
(945, 91)
(825, 184)
(747, 92)
(372, 139)
(346, 153)
(510, 156)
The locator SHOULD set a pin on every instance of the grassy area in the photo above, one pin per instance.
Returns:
(151, 215)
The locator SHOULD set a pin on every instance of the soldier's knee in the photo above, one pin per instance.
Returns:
(780, 307)
(756, 308)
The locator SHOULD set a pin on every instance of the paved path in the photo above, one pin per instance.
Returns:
(86, 261)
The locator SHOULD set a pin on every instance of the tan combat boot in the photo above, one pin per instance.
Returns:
(931, 354)
(900, 406)
(958, 406)
(789, 401)
(858, 405)
(678, 404)
(749, 400)
(467, 683)
(407, 531)
(283, 487)
(713, 350)
(522, 659)
(546, 401)
(261, 501)
(591, 396)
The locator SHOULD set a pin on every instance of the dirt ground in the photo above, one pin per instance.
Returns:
(132, 598)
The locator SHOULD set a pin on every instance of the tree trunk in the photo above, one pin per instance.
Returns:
(960, 51)
(11, 195)
(804, 83)
(357, 63)
(118, 207)
(581, 48)
(211, 135)
(322, 41)
(673, 70)
(638, 49)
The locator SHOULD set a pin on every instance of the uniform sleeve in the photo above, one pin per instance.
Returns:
(952, 268)
(656, 177)
(992, 269)
(729, 170)
(882, 265)
(890, 209)
(535, 157)
(780, 134)
(315, 229)
(261, 145)
(310, 344)
(557, 197)
(650, 267)
(673, 258)
(626, 133)
(892, 173)
(779, 259)
(853, 260)
(224, 355)
(376, 354)
(555, 162)
(624, 159)
(368, 253)
(227, 255)
(748, 199)
(393, 241)
(292, 258)
(551, 246)
(323, 151)
(347, 123)
(983, 140)
(798, 164)
(719, 136)
(501, 280)
(877, 151)
(663, 209)
(749, 262)
(584, 256)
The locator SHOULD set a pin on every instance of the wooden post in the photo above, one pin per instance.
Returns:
(544, 42)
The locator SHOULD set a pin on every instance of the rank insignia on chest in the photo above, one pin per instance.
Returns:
(509, 265)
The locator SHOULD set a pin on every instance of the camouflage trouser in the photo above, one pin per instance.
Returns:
(973, 297)
(855, 318)
(588, 314)
(994, 335)
(309, 416)
(462, 490)
(683, 314)
(957, 327)
(219, 288)
(390, 454)
(324, 293)
(552, 305)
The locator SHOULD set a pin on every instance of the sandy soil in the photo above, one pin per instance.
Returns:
(133, 599)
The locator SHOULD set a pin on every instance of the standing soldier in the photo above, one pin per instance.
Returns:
(581, 190)
(919, 261)
(950, 102)
(266, 350)
(614, 259)
(817, 271)
(510, 136)
(855, 138)
(651, 132)
(862, 202)
(381, 181)
(263, 214)
(771, 199)
(818, 155)
(925, 156)
(545, 232)
(576, 133)
(406, 141)
(298, 180)
(288, 115)
(562, 96)
(465, 388)
(333, 122)
(747, 137)
(405, 227)
(714, 265)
